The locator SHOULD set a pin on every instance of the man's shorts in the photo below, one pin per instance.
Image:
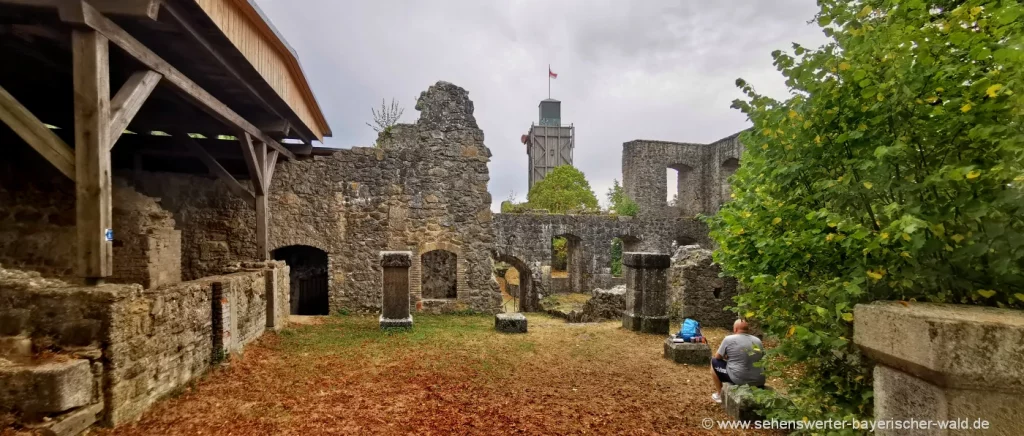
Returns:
(719, 366)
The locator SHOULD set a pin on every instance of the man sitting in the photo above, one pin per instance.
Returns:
(734, 361)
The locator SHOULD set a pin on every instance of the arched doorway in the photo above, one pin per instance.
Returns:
(308, 278)
(518, 284)
(439, 277)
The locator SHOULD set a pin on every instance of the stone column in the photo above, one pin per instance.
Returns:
(943, 362)
(646, 292)
(395, 311)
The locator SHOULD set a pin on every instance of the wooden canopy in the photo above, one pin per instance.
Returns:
(210, 77)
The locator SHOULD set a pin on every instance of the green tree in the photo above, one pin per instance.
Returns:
(559, 253)
(564, 189)
(894, 172)
(616, 257)
(619, 202)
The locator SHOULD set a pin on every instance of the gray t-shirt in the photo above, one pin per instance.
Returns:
(741, 351)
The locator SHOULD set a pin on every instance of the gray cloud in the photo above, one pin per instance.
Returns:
(653, 69)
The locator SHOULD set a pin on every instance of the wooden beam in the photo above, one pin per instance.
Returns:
(192, 91)
(92, 154)
(128, 100)
(252, 161)
(217, 170)
(268, 173)
(183, 20)
(262, 224)
(36, 134)
(147, 9)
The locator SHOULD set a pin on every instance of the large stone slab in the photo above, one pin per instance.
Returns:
(965, 347)
(46, 388)
(510, 322)
(941, 362)
(693, 353)
(738, 402)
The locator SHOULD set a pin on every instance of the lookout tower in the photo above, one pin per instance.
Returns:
(549, 143)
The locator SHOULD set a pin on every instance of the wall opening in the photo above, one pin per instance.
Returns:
(682, 189)
(308, 278)
(566, 264)
(440, 274)
(622, 244)
(516, 283)
(729, 168)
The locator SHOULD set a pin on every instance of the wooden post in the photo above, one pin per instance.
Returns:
(92, 154)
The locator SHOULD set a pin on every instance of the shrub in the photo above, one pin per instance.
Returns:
(893, 172)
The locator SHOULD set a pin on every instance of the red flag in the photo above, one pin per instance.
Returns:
(552, 74)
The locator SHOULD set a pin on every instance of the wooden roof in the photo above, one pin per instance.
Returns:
(224, 46)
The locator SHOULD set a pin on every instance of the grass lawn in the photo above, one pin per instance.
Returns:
(450, 374)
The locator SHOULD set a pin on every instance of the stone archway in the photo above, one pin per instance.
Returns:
(524, 291)
(308, 278)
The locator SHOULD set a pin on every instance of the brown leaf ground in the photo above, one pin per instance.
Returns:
(449, 375)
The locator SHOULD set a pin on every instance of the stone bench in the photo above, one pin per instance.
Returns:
(693, 353)
(510, 322)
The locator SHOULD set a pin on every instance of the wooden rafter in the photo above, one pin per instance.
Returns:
(130, 8)
(252, 161)
(36, 134)
(217, 169)
(82, 13)
(128, 100)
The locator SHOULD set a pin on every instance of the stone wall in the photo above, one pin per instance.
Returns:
(424, 189)
(943, 362)
(143, 344)
(37, 214)
(37, 225)
(527, 239)
(702, 172)
(697, 291)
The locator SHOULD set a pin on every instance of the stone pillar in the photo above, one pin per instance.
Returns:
(943, 362)
(395, 310)
(646, 292)
(270, 280)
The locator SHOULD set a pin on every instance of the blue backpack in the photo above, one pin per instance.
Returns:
(689, 329)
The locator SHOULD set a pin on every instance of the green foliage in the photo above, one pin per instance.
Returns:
(616, 257)
(564, 189)
(620, 203)
(559, 253)
(894, 172)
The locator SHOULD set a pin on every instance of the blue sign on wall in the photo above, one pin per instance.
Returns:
(109, 235)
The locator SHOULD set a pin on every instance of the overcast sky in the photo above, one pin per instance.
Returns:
(652, 69)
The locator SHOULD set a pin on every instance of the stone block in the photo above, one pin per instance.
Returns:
(72, 423)
(693, 353)
(942, 362)
(631, 322)
(46, 388)
(738, 402)
(17, 346)
(967, 347)
(387, 323)
(654, 324)
(510, 323)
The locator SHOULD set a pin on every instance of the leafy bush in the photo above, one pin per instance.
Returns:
(894, 172)
(564, 189)
(559, 253)
(616, 257)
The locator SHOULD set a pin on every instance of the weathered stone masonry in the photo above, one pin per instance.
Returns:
(424, 189)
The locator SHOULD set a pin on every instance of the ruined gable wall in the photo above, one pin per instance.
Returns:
(699, 168)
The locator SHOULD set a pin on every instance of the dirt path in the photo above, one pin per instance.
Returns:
(450, 375)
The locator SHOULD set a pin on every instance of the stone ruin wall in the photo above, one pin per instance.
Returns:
(37, 225)
(141, 345)
(424, 189)
(702, 172)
